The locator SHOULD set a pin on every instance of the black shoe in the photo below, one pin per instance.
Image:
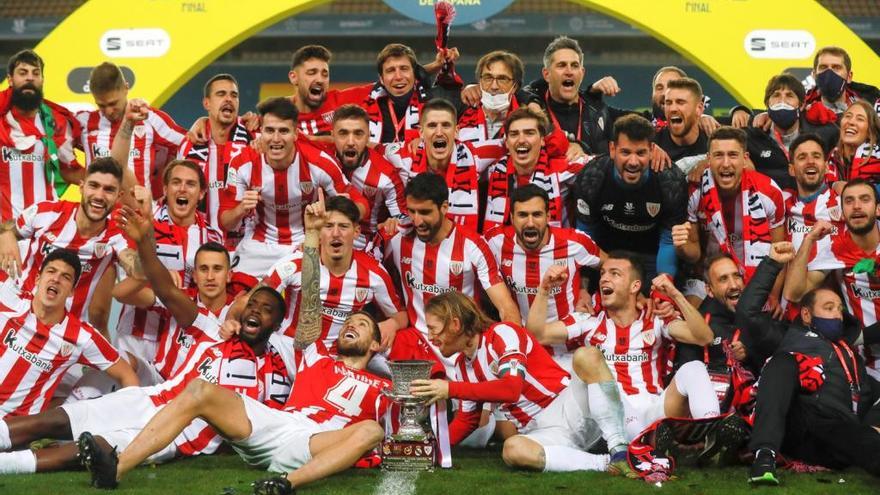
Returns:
(763, 471)
(724, 442)
(278, 485)
(101, 463)
(666, 445)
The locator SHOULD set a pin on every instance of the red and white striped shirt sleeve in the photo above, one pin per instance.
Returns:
(285, 273)
(97, 351)
(167, 132)
(486, 152)
(584, 251)
(383, 287)
(483, 261)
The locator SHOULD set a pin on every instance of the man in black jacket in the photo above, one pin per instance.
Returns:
(814, 393)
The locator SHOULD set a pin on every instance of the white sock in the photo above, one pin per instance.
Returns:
(5, 441)
(607, 410)
(18, 462)
(481, 436)
(692, 381)
(559, 459)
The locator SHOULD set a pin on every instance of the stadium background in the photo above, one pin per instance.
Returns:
(355, 30)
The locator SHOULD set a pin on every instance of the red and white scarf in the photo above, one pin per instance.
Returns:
(865, 164)
(817, 113)
(503, 179)
(755, 220)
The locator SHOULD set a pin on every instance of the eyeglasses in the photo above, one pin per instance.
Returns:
(501, 80)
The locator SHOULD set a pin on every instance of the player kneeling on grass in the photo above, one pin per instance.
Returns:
(329, 421)
(503, 364)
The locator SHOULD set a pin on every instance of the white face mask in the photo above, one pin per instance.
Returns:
(495, 103)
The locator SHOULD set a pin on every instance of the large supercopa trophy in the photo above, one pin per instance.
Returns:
(411, 448)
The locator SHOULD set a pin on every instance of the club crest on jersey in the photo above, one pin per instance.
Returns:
(328, 117)
(455, 267)
(100, 249)
(66, 349)
(653, 209)
(834, 214)
(307, 187)
(648, 337)
(139, 131)
(360, 294)
(369, 191)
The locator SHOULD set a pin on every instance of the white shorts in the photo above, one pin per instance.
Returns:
(144, 352)
(566, 421)
(279, 440)
(118, 418)
(256, 258)
(640, 411)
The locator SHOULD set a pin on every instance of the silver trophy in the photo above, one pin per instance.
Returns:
(411, 448)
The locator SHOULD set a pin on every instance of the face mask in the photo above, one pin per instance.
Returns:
(830, 84)
(495, 103)
(783, 115)
(830, 328)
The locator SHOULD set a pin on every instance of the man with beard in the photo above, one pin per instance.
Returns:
(180, 230)
(438, 256)
(156, 138)
(622, 203)
(527, 247)
(367, 170)
(440, 152)
(813, 199)
(784, 96)
(682, 138)
(527, 161)
(227, 138)
(736, 211)
(84, 227)
(328, 422)
(41, 340)
(36, 140)
(271, 188)
(852, 259)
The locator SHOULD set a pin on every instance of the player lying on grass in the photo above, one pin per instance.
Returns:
(246, 362)
(329, 421)
(502, 363)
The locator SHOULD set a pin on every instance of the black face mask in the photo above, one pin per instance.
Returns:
(783, 115)
(830, 328)
(27, 101)
(830, 84)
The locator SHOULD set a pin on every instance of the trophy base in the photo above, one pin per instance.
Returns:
(408, 455)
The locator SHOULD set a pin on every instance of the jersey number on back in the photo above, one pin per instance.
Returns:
(347, 395)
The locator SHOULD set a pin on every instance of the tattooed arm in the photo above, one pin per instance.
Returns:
(308, 328)
(139, 228)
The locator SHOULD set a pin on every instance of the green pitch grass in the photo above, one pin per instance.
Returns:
(475, 473)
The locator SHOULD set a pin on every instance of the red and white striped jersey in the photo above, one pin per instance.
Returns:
(319, 122)
(214, 160)
(553, 175)
(522, 270)
(175, 341)
(329, 392)
(861, 291)
(458, 262)
(176, 248)
(23, 160)
(233, 365)
(505, 345)
(365, 282)
(278, 218)
(51, 225)
(636, 354)
(469, 161)
(34, 356)
(157, 130)
(802, 216)
(380, 184)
